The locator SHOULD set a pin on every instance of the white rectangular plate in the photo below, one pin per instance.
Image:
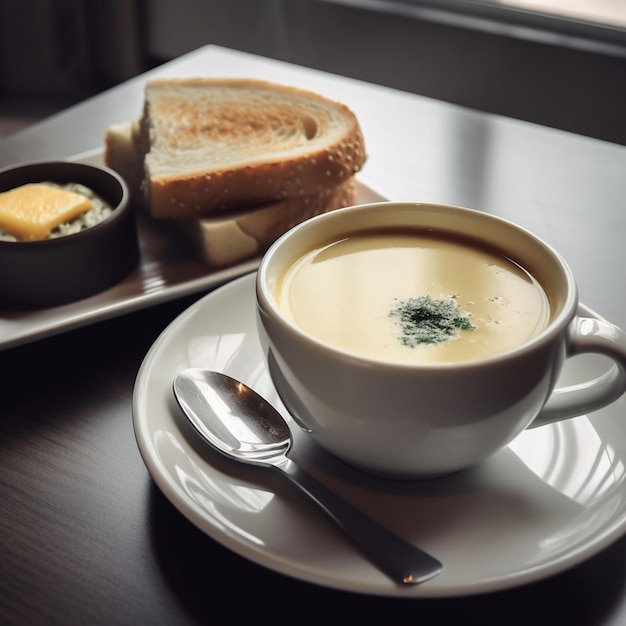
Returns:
(166, 270)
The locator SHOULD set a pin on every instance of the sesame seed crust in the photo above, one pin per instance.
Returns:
(217, 143)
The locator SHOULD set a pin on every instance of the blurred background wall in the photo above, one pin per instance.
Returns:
(566, 74)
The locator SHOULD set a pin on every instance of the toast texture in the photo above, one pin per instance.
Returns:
(210, 145)
(227, 237)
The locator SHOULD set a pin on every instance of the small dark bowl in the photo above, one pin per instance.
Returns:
(41, 274)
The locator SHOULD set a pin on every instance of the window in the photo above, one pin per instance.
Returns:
(586, 24)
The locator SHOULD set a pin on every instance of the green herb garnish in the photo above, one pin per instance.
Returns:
(424, 320)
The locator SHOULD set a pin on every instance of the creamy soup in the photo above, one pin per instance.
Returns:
(413, 296)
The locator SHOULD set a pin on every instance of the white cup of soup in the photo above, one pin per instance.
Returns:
(414, 340)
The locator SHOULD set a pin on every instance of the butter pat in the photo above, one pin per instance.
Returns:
(31, 212)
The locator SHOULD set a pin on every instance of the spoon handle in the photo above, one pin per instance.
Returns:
(400, 560)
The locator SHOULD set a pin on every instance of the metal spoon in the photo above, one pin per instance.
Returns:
(238, 422)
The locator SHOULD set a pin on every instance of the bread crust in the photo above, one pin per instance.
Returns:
(213, 144)
(235, 208)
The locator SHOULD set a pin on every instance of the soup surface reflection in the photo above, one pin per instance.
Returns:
(413, 297)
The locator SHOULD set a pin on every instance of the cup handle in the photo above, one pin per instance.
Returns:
(589, 335)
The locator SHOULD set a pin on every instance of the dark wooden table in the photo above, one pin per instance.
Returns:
(87, 538)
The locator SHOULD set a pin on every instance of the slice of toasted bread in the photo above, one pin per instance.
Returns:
(122, 155)
(209, 145)
(229, 237)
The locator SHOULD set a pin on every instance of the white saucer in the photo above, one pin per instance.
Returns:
(553, 498)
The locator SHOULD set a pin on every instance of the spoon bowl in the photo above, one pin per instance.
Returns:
(232, 417)
(242, 425)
